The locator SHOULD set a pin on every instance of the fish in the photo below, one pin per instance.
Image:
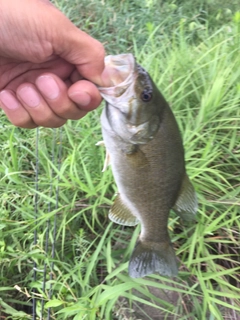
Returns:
(145, 150)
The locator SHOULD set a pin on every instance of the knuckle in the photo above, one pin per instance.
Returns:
(23, 123)
(101, 51)
(63, 111)
(58, 123)
(67, 111)
(50, 122)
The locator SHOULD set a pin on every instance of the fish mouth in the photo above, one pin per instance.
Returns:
(122, 73)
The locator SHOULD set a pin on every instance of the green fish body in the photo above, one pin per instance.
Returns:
(146, 153)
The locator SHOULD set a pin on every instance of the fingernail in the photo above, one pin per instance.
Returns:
(29, 96)
(48, 86)
(9, 100)
(81, 98)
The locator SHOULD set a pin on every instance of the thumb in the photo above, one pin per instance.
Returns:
(61, 37)
(85, 52)
(77, 47)
(45, 32)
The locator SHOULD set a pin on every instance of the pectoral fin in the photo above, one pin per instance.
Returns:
(107, 158)
(186, 205)
(137, 158)
(119, 213)
(100, 143)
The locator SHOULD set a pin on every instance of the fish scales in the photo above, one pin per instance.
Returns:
(145, 189)
(147, 159)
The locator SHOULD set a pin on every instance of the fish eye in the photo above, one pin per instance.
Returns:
(146, 96)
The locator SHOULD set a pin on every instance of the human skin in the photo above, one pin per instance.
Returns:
(48, 67)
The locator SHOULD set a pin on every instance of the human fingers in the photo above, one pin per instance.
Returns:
(38, 109)
(49, 103)
(83, 51)
(55, 93)
(79, 49)
(28, 109)
(12, 75)
(15, 112)
(41, 39)
(85, 94)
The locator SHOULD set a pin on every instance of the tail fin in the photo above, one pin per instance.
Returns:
(151, 257)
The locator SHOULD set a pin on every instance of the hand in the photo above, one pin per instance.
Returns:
(48, 67)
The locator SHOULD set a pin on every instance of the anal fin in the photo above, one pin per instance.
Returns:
(186, 205)
(120, 213)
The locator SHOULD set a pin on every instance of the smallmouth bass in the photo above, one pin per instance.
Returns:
(145, 149)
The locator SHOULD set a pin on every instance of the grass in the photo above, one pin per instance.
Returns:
(195, 63)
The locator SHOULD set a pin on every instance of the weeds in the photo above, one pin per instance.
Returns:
(196, 66)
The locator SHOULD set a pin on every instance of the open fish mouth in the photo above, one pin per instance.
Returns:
(121, 70)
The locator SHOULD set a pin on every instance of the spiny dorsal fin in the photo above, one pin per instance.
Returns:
(119, 213)
(186, 205)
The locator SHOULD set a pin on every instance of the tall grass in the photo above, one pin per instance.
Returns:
(88, 274)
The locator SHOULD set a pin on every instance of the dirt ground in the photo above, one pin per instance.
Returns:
(141, 311)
